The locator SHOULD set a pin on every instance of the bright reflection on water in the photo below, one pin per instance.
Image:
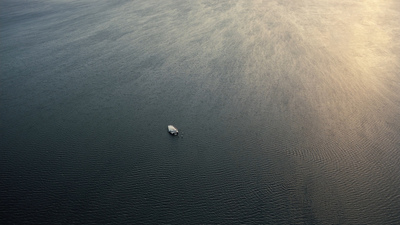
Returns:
(290, 110)
(335, 68)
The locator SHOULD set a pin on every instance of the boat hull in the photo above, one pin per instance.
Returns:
(172, 130)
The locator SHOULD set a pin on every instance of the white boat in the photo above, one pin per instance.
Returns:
(172, 130)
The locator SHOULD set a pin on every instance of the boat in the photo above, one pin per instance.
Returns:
(172, 130)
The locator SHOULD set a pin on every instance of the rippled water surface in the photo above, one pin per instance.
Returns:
(289, 111)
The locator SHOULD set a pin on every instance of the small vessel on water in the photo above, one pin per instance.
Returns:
(172, 130)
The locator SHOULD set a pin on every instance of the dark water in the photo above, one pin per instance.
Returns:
(290, 112)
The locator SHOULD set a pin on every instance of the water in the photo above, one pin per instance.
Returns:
(290, 112)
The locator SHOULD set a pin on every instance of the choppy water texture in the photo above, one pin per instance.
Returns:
(290, 111)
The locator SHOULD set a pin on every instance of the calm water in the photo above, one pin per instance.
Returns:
(289, 110)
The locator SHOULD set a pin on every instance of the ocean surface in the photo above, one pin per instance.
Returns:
(288, 112)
